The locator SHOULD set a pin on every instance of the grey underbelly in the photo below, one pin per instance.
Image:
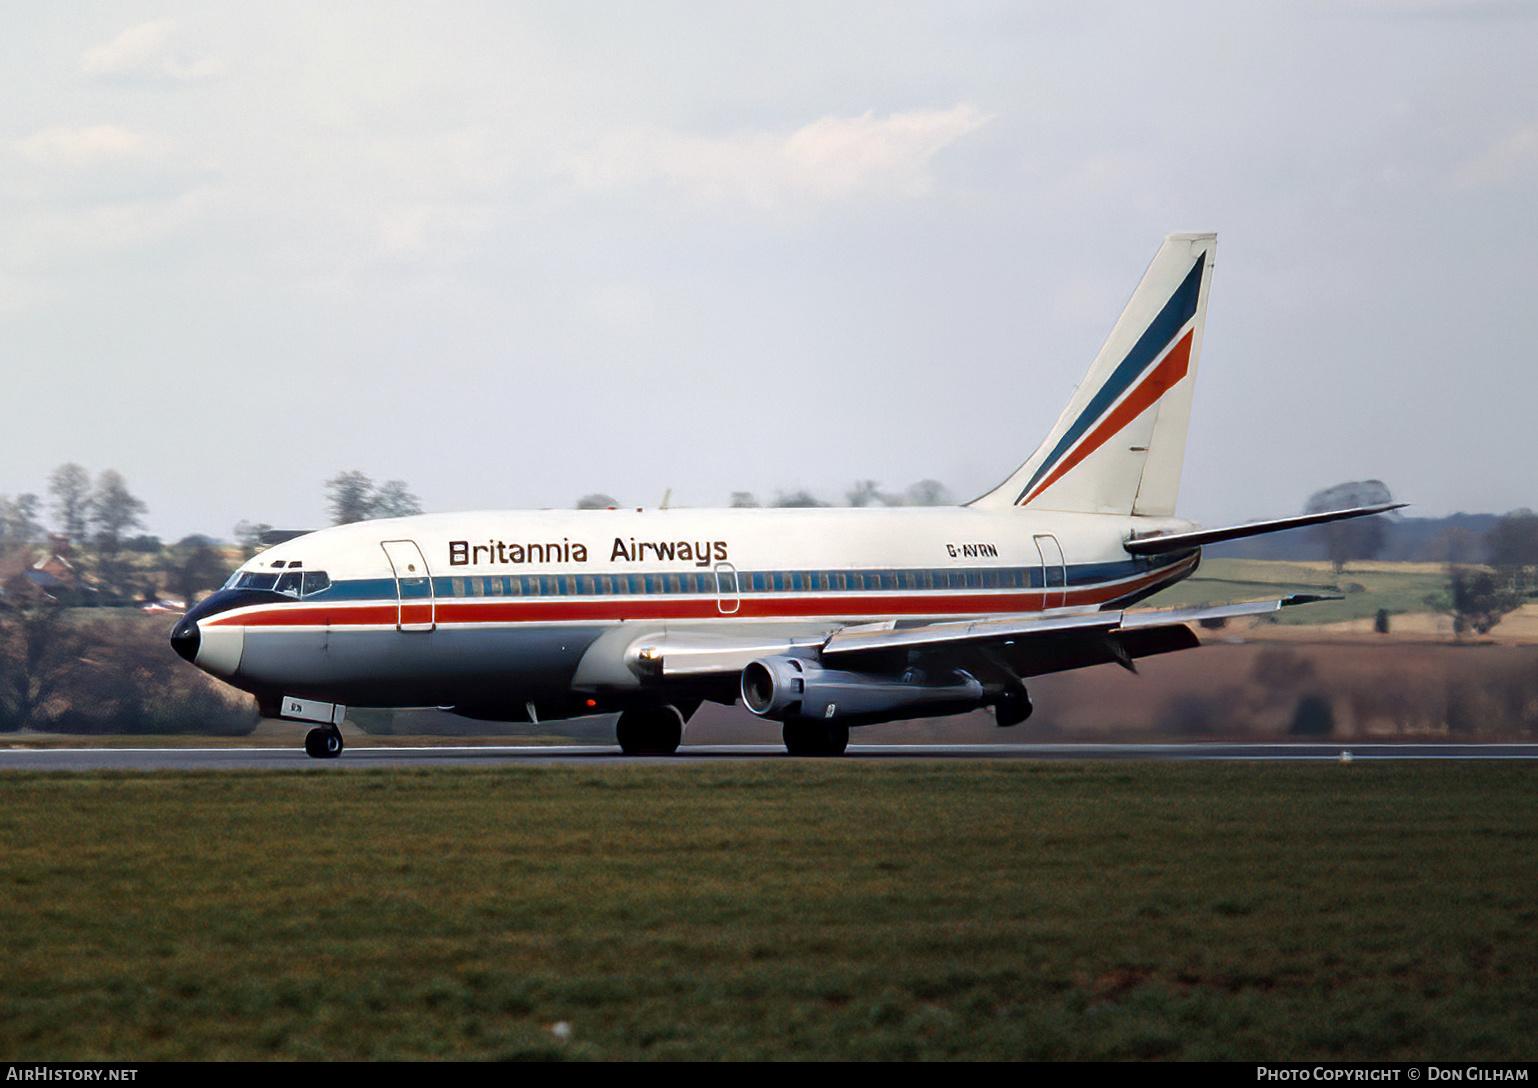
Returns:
(415, 668)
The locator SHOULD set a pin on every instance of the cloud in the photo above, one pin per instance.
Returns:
(145, 50)
(81, 146)
(55, 235)
(833, 158)
(1511, 159)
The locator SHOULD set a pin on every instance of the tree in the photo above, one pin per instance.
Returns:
(248, 534)
(393, 500)
(1457, 547)
(113, 510)
(742, 500)
(350, 495)
(18, 520)
(866, 493)
(1355, 538)
(799, 499)
(1514, 549)
(70, 486)
(353, 497)
(928, 493)
(1479, 599)
(196, 566)
(41, 653)
(597, 501)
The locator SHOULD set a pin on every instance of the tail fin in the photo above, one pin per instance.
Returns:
(1119, 445)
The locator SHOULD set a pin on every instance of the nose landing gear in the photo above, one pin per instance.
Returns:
(323, 742)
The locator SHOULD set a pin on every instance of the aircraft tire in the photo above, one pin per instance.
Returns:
(649, 731)
(322, 743)
(817, 738)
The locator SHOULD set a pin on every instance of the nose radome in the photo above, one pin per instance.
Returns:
(185, 639)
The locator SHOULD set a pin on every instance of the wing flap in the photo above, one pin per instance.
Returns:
(884, 636)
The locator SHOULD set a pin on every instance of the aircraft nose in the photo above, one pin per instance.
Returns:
(185, 638)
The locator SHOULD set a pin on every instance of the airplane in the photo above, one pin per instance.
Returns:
(820, 619)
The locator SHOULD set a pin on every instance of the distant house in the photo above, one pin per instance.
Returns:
(24, 580)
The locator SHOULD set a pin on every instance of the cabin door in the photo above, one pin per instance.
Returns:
(728, 598)
(415, 607)
(1054, 572)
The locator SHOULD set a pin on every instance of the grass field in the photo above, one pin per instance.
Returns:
(777, 910)
(1366, 587)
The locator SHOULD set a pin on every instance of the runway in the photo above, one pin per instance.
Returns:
(363, 757)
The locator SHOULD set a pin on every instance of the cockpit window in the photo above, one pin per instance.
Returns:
(292, 583)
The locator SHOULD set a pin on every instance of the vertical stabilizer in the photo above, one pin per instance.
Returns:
(1119, 445)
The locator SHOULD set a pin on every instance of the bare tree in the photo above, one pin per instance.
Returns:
(41, 654)
(866, 493)
(350, 495)
(394, 500)
(113, 511)
(1356, 538)
(928, 493)
(353, 497)
(18, 520)
(70, 486)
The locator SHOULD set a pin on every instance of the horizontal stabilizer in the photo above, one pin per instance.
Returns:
(1178, 542)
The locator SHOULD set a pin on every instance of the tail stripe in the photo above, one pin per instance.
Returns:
(1179, 310)
(1154, 386)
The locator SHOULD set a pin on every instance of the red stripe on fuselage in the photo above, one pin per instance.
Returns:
(846, 608)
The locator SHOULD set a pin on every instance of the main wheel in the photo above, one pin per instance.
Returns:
(649, 731)
(816, 738)
(323, 743)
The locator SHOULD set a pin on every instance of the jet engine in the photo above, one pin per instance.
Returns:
(796, 689)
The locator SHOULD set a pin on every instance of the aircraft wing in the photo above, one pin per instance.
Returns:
(1031, 643)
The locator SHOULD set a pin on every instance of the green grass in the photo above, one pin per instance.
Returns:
(774, 910)
(1400, 588)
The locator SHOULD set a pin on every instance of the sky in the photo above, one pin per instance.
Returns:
(515, 253)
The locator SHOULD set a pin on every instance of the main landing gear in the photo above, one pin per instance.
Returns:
(816, 738)
(323, 742)
(650, 731)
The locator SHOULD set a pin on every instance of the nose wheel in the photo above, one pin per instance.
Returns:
(323, 742)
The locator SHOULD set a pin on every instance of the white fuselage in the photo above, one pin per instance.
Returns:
(539, 608)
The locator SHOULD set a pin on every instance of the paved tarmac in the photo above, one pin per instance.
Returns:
(361, 757)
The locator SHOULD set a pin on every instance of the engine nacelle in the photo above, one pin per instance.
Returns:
(795, 689)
